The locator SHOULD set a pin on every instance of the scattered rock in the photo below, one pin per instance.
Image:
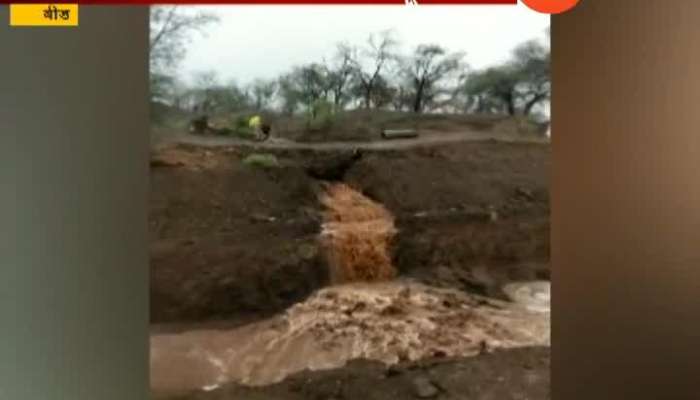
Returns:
(525, 194)
(439, 354)
(255, 217)
(392, 371)
(484, 347)
(392, 310)
(159, 162)
(493, 214)
(307, 251)
(423, 388)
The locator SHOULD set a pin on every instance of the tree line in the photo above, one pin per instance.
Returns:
(371, 75)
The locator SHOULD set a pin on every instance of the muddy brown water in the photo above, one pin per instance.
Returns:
(387, 322)
(366, 314)
(356, 236)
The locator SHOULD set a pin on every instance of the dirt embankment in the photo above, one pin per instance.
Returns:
(233, 241)
(227, 239)
(469, 215)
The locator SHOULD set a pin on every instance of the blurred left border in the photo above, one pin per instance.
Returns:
(73, 248)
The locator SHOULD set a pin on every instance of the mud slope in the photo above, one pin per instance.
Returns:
(231, 241)
(473, 215)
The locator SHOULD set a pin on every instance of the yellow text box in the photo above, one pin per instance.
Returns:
(43, 15)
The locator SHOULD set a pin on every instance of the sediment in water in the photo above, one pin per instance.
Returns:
(356, 236)
(388, 322)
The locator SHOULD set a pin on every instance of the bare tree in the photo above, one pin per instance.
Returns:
(383, 93)
(288, 93)
(493, 90)
(206, 79)
(170, 27)
(515, 87)
(425, 70)
(304, 86)
(206, 83)
(532, 61)
(262, 92)
(340, 73)
(312, 83)
(372, 61)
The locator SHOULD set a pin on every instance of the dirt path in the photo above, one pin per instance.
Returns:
(427, 138)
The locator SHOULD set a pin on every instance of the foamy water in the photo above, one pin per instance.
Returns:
(535, 296)
(370, 318)
(356, 236)
(387, 322)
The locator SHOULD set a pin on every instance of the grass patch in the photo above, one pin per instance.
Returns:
(261, 160)
(243, 132)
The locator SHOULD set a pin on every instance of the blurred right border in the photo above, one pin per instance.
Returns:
(626, 200)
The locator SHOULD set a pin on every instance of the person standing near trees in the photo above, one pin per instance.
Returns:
(260, 129)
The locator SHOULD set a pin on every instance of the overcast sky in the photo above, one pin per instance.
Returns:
(264, 41)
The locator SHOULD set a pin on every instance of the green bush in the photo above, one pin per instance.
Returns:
(225, 132)
(244, 132)
(241, 121)
(321, 116)
(261, 160)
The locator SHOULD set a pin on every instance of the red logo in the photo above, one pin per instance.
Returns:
(551, 6)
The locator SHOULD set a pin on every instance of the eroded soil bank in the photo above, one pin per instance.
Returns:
(235, 242)
(240, 255)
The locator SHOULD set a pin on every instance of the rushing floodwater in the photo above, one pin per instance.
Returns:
(372, 317)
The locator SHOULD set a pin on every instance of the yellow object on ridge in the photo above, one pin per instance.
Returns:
(255, 121)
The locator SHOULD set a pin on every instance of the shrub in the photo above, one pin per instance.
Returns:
(241, 121)
(244, 132)
(261, 160)
(321, 116)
